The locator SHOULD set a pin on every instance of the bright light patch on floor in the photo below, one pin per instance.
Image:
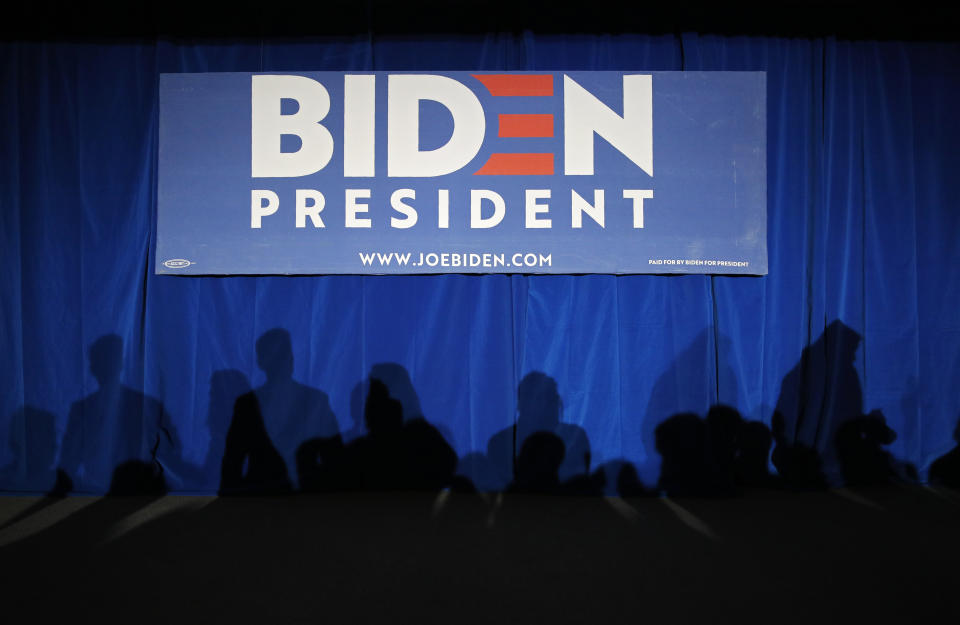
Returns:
(44, 519)
(689, 519)
(154, 510)
(623, 509)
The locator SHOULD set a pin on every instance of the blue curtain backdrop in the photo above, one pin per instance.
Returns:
(858, 315)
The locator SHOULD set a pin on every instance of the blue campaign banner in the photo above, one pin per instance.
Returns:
(459, 172)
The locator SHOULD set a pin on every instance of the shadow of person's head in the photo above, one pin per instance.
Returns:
(136, 477)
(842, 341)
(275, 354)
(395, 379)
(723, 424)
(106, 359)
(538, 403)
(538, 463)
(382, 413)
(681, 439)
(876, 429)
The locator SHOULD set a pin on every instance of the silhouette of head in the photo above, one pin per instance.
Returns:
(875, 429)
(382, 413)
(723, 427)
(275, 354)
(398, 386)
(724, 419)
(538, 402)
(842, 340)
(106, 359)
(681, 443)
(681, 437)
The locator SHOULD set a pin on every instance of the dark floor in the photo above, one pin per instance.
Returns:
(844, 556)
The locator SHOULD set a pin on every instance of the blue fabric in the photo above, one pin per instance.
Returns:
(107, 365)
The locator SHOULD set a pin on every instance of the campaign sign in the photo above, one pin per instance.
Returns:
(462, 172)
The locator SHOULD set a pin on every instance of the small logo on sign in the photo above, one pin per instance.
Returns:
(176, 263)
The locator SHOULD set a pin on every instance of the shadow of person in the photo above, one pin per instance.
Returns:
(538, 464)
(400, 449)
(688, 386)
(539, 423)
(816, 397)
(723, 429)
(270, 422)
(681, 442)
(251, 464)
(752, 467)
(137, 477)
(863, 460)
(714, 456)
(798, 465)
(226, 386)
(113, 435)
(492, 469)
(945, 470)
(539, 409)
(822, 436)
(378, 459)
